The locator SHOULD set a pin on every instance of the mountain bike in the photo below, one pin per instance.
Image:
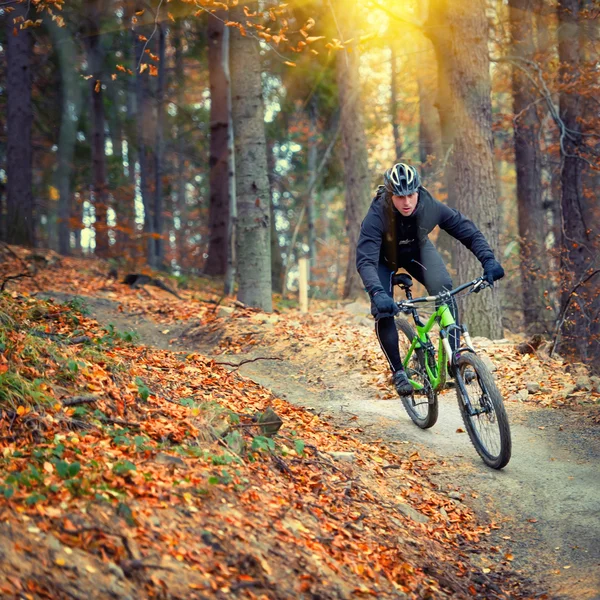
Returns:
(479, 399)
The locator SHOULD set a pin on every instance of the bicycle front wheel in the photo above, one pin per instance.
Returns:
(422, 406)
(483, 412)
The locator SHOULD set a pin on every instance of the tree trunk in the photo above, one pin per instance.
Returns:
(127, 207)
(394, 101)
(446, 244)
(276, 257)
(158, 253)
(20, 227)
(181, 208)
(580, 236)
(99, 189)
(216, 263)
(71, 101)
(459, 32)
(145, 120)
(356, 171)
(252, 183)
(430, 135)
(312, 176)
(231, 224)
(533, 253)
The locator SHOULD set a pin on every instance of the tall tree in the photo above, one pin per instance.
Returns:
(313, 154)
(394, 107)
(581, 248)
(158, 246)
(71, 101)
(528, 161)
(19, 202)
(127, 207)
(277, 268)
(459, 32)
(216, 263)
(252, 183)
(357, 183)
(430, 140)
(180, 82)
(144, 120)
(95, 12)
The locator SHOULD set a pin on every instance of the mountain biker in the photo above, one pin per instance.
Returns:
(395, 234)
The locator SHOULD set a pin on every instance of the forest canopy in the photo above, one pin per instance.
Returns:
(230, 140)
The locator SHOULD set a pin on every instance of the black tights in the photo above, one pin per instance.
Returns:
(425, 264)
(387, 334)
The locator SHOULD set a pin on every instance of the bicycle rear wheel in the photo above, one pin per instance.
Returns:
(422, 406)
(483, 412)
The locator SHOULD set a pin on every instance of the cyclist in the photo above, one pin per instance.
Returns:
(394, 235)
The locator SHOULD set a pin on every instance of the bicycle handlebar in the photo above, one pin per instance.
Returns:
(477, 284)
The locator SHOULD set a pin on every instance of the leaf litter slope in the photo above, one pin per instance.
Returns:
(140, 472)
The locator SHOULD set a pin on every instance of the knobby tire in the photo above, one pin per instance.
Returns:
(493, 422)
(425, 414)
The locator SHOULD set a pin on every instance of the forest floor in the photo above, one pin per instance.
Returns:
(178, 491)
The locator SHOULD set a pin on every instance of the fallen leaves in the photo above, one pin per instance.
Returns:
(171, 471)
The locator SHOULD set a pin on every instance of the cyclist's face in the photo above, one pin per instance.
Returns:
(406, 204)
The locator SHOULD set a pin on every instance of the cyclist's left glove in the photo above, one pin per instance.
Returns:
(492, 271)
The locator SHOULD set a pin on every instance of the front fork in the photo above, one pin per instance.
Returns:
(468, 345)
(453, 356)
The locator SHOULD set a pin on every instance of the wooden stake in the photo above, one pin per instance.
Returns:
(303, 277)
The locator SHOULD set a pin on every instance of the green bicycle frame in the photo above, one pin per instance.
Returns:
(439, 373)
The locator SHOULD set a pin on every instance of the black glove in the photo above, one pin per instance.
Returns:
(384, 306)
(492, 271)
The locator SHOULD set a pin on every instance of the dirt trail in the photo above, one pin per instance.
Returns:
(546, 502)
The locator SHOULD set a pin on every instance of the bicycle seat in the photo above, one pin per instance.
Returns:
(402, 279)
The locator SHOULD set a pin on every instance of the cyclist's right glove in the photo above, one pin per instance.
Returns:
(384, 306)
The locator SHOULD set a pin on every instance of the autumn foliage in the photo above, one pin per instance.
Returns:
(131, 469)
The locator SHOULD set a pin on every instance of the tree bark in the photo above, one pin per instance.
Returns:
(144, 130)
(181, 208)
(20, 225)
(580, 235)
(528, 161)
(394, 101)
(354, 144)
(312, 176)
(252, 183)
(96, 9)
(277, 269)
(430, 135)
(71, 101)
(459, 32)
(127, 207)
(216, 263)
(158, 253)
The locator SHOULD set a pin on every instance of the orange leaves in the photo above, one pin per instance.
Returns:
(175, 493)
(335, 44)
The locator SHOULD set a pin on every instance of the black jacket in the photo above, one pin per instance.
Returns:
(385, 234)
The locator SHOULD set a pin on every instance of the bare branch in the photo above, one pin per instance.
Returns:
(563, 312)
(13, 277)
(244, 362)
(77, 400)
(541, 86)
